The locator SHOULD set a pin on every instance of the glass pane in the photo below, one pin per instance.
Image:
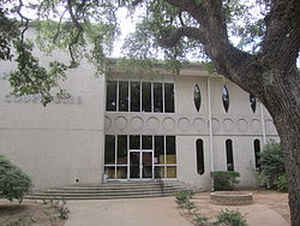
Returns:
(158, 98)
(110, 172)
(146, 93)
(197, 97)
(121, 172)
(225, 98)
(257, 153)
(200, 157)
(134, 164)
(252, 100)
(146, 142)
(171, 150)
(229, 155)
(111, 96)
(122, 149)
(171, 171)
(159, 150)
(169, 97)
(135, 96)
(134, 142)
(159, 172)
(123, 96)
(147, 164)
(109, 156)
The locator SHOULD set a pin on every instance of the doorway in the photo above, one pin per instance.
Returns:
(140, 164)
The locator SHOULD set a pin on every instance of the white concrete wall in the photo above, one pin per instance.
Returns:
(59, 143)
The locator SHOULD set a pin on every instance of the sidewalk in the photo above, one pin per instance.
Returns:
(154, 212)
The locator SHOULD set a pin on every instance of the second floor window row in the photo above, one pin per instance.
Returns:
(136, 96)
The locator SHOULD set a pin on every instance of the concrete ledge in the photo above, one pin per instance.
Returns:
(231, 198)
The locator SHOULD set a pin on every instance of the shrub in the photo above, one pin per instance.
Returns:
(183, 196)
(272, 167)
(224, 180)
(200, 220)
(14, 183)
(230, 218)
(281, 184)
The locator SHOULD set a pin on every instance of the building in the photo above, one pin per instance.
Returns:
(134, 127)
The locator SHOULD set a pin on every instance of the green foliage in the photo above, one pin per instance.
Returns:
(183, 200)
(272, 173)
(230, 218)
(14, 183)
(200, 220)
(224, 180)
(282, 183)
(183, 196)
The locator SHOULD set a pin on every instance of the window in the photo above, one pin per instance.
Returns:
(158, 97)
(169, 98)
(200, 156)
(197, 97)
(136, 96)
(257, 153)
(225, 98)
(252, 100)
(123, 96)
(146, 91)
(229, 155)
(111, 96)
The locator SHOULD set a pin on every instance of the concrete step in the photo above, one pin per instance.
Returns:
(117, 190)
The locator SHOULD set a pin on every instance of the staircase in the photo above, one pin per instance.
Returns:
(110, 190)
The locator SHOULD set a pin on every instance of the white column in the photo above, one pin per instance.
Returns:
(210, 126)
(262, 118)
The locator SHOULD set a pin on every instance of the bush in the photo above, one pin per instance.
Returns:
(183, 197)
(224, 180)
(272, 167)
(14, 183)
(230, 218)
(281, 184)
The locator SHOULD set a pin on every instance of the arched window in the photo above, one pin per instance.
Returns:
(229, 155)
(197, 97)
(256, 144)
(252, 100)
(225, 98)
(200, 156)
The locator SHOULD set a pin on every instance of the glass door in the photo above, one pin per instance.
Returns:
(141, 164)
(147, 165)
(134, 165)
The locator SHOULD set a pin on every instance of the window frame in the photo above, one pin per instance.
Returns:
(163, 95)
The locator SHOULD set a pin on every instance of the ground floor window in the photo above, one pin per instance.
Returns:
(256, 145)
(200, 156)
(229, 155)
(140, 157)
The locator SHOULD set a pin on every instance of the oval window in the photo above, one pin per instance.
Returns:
(197, 97)
(225, 98)
(252, 100)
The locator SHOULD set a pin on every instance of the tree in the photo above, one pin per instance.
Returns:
(263, 63)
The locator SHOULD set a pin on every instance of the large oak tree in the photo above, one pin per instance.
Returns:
(262, 61)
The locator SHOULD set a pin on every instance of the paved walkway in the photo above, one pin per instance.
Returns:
(153, 212)
(126, 212)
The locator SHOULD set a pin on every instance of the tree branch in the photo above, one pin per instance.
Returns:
(172, 38)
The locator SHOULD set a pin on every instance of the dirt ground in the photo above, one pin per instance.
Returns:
(29, 213)
(274, 200)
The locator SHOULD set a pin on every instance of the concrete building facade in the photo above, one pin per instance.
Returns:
(134, 127)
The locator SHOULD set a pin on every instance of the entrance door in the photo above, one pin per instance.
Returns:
(140, 164)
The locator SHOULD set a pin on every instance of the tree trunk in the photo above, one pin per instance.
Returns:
(282, 99)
